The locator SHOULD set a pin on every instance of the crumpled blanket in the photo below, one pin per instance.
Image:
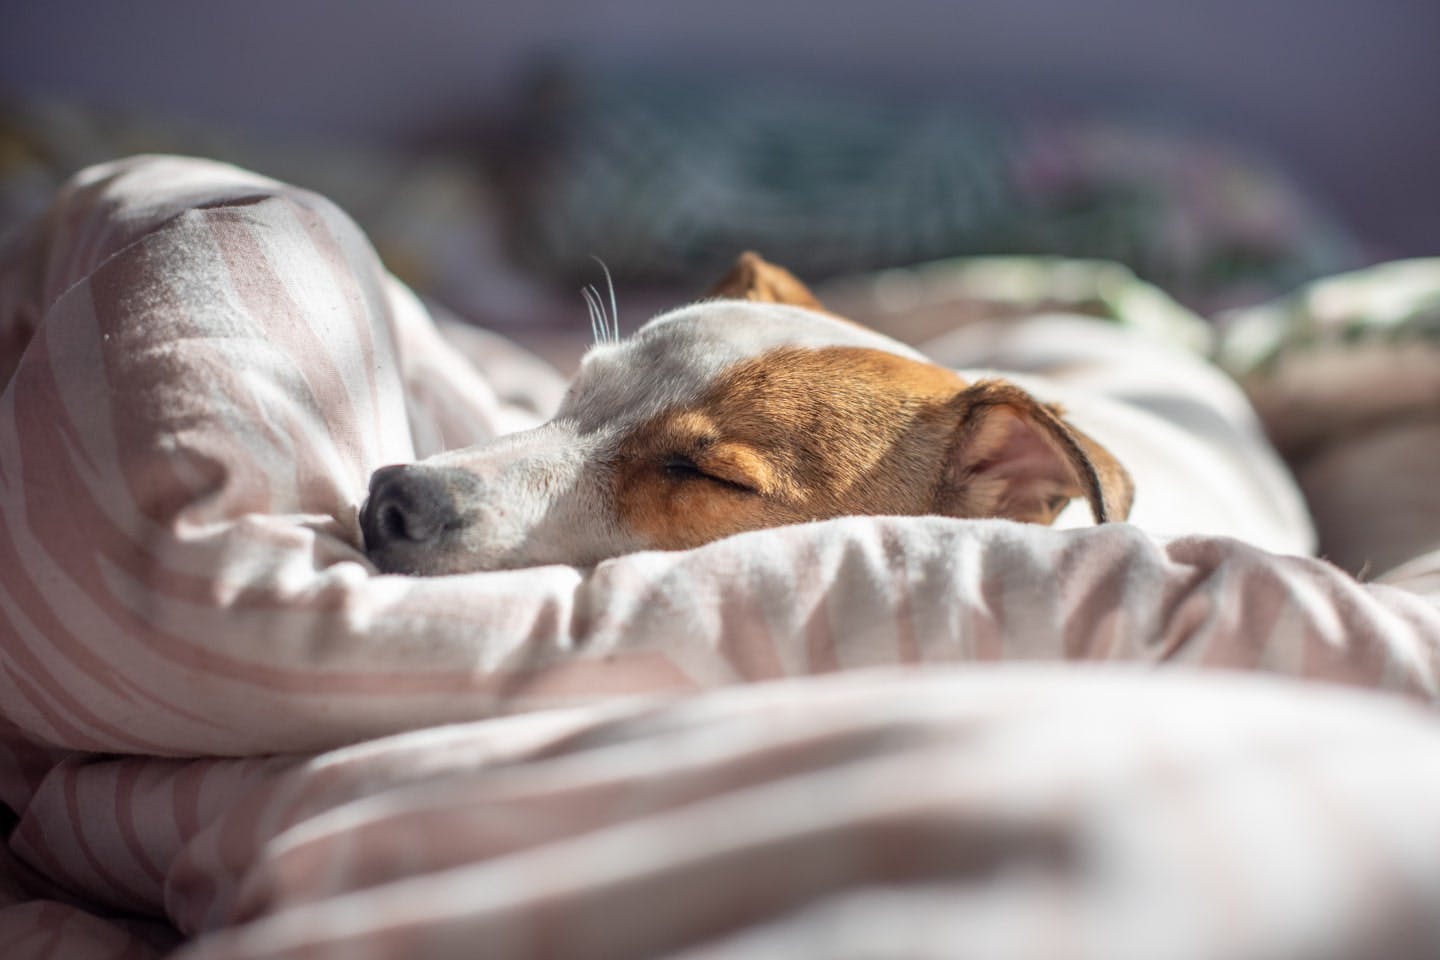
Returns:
(218, 725)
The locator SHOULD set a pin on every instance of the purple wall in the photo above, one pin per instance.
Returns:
(1345, 93)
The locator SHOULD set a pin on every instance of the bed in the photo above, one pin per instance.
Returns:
(222, 735)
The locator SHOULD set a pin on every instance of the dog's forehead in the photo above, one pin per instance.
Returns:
(676, 357)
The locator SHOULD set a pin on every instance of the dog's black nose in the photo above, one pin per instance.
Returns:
(407, 504)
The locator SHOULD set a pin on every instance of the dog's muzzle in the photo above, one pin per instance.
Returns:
(410, 510)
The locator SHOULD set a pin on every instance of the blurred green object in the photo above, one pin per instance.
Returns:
(1396, 304)
(1340, 355)
(669, 179)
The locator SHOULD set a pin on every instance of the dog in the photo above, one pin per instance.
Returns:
(754, 408)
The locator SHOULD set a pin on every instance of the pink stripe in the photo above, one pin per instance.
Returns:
(41, 690)
(127, 780)
(1253, 596)
(627, 672)
(344, 275)
(60, 727)
(185, 798)
(230, 849)
(123, 893)
(747, 642)
(287, 325)
(907, 648)
(1094, 594)
(986, 619)
(141, 691)
(1341, 658)
(811, 575)
(31, 844)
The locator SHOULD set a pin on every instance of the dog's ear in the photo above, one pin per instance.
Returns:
(755, 278)
(1015, 457)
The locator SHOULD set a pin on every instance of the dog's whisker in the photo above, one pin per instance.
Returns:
(593, 294)
(590, 310)
(596, 309)
(614, 306)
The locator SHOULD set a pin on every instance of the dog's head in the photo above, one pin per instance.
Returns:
(753, 408)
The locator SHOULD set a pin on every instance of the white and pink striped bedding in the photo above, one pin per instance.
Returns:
(219, 728)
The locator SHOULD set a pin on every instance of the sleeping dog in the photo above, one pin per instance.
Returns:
(756, 407)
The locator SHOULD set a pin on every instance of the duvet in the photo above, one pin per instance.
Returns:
(223, 735)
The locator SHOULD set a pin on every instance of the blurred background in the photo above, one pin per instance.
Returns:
(1228, 150)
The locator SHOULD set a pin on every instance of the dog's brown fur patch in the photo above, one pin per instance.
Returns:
(804, 434)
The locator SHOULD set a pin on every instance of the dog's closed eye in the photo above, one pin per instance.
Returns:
(684, 468)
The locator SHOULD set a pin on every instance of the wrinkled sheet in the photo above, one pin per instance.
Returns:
(197, 662)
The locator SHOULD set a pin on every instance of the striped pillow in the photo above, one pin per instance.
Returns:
(221, 366)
